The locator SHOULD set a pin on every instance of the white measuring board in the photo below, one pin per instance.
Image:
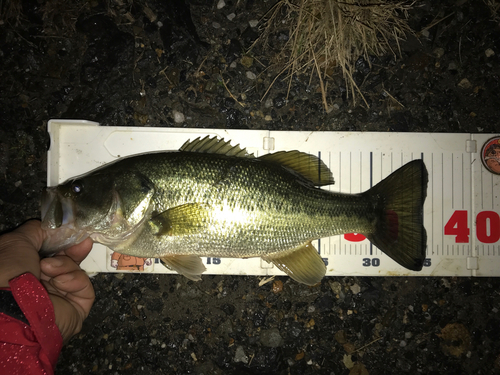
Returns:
(461, 211)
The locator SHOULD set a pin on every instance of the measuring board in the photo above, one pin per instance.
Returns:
(461, 211)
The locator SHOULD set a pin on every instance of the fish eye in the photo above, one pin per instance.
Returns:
(77, 186)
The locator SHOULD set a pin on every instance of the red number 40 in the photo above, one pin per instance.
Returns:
(487, 227)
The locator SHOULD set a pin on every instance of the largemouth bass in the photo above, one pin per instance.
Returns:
(210, 199)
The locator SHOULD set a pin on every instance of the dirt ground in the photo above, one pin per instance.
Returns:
(182, 64)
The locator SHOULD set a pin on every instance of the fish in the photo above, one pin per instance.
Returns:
(212, 199)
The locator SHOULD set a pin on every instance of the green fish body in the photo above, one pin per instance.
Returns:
(213, 200)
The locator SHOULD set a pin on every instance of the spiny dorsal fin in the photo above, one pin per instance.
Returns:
(307, 165)
(215, 145)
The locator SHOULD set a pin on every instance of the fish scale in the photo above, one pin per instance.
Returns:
(255, 207)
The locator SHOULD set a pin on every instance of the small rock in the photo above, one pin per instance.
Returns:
(438, 53)
(268, 103)
(18, 183)
(277, 286)
(178, 117)
(311, 309)
(231, 16)
(221, 4)
(240, 355)
(251, 75)
(280, 101)
(402, 343)
(341, 337)
(271, 338)
(355, 289)
(268, 118)
(336, 287)
(464, 84)
(246, 61)
(489, 52)
(452, 66)
(253, 23)
(408, 335)
(216, 25)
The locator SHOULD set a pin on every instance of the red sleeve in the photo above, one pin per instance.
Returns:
(34, 348)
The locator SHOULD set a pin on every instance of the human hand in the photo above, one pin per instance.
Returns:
(69, 287)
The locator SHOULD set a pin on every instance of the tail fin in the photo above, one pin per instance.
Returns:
(400, 232)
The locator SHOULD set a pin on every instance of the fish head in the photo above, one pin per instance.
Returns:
(108, 207)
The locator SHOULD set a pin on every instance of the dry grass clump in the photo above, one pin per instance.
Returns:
(10, 10)
(494, 6)
(325, 34)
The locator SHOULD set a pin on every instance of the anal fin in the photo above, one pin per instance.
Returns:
(190, 266)
(303, 264)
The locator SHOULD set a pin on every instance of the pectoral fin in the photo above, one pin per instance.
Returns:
(190, 266)
(303, 265)
(181, 220)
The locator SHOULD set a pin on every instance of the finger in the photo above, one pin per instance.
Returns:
(57, 265)
(77, 288)
(19, 251)
(80, 251)
(32, 232)
(68, 317)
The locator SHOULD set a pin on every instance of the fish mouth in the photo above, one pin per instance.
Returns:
(58, 220)
(57, 211)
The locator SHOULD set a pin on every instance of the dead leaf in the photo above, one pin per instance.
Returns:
(456, 339)
(359, 369)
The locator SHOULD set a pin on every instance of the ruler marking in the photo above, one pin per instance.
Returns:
(463, 182)
(432, 196)
(361, 171)
(452, 182)
(371, 170)
(482, 189)
(423, 216)
(350, 174)
(442, 197)
(492, 190)
(371, 185)
(319, 179)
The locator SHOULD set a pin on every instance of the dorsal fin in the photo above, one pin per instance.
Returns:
(307, 165)
(215, 145)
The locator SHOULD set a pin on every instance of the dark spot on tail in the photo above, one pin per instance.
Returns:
(393, 224)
